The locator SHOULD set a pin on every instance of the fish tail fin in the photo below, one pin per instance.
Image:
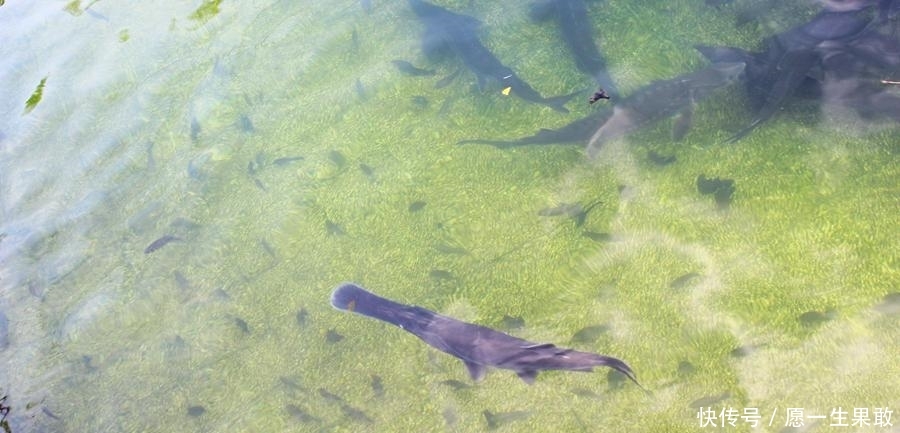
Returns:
(621, 367)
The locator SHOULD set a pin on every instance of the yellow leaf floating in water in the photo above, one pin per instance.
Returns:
(209, 9)
(73, 8)
(35, 97)
(506, 90)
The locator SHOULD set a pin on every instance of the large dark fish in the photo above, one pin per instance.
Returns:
(660, 100)
(791, 61)
(445, 30)
(477, 346)
(578, 34)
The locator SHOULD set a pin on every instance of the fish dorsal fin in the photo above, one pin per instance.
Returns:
(528, 376)
(539, 346)
(476, 371)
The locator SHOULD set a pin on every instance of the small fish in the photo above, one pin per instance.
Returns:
(337, 158)
(510, 322)
(589, 334)
(195, 167)
(367, 171)
(48, 413)
(183, 223)
(246, 124)
(444, 82)
(450, 249)
(291, 384)
(281, 162)
(685, 368)
(495, 420)
(597, 236)
(159, 243)
(355, 414)
(196, 411)
(37, 290)
(268, 248)
(328, 395)
(815, 318)
(252, 168)
(333, 336)
(354, 40)
(88, 362)
(598, 95)
(333, 228)
(581, 216)
(584, 392)
(615, 380)
(722, 189)
(659, 159)
(377, 386)
(242, 325)
(416, 206)
(259, 184)
(361, 90)
(195, 129)
(455, 384)
(408, 69)
(300, 414)
(181, 281)
(449, 416)
(301, 317)
(440, 274)
(710, 400)
(683, 280)
(419, 102)
(151, 161)
(366, 5)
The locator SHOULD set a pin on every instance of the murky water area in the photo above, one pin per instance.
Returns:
(182, 187)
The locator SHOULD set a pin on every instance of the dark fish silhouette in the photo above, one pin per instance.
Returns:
(159, 243)
(477, 346)
(578, 34)
(408, 69)
(721, 189)
(196, 411)
(660, 100)
(834, 44)
(445, 30)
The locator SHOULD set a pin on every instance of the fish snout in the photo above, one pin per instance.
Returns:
(346, 296)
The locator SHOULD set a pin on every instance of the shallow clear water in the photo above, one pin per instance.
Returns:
(282, 153)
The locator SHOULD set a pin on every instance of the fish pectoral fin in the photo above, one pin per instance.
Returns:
(476, 371)
(539, 346)
(528, 376)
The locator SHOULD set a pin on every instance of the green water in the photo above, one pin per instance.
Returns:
(168, 120)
